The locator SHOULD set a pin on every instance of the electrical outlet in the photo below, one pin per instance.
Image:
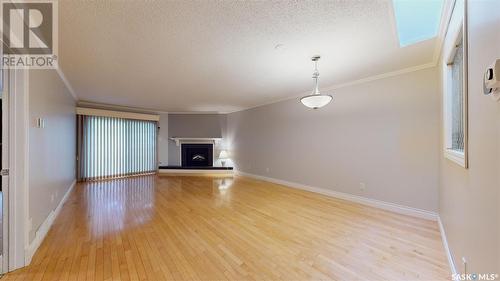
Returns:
(362, 186)
(52, 198)
(464, 263)
(267, 170)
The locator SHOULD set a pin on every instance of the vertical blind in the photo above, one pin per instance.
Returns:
(110, 147)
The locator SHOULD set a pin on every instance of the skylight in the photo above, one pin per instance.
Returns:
(417, 20)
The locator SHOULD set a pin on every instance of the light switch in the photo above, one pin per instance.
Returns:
(40, 123)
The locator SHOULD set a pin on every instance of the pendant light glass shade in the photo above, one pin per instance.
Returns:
(316, 99)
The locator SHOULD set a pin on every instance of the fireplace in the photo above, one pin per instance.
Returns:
(197, 155)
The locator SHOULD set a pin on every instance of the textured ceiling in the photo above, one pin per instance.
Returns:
(222, 55)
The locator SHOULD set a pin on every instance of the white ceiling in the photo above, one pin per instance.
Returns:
(220, 55)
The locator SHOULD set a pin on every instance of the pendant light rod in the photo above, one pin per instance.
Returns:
(316, 99)
(315, 76)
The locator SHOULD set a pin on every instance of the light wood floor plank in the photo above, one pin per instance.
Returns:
(196, 228)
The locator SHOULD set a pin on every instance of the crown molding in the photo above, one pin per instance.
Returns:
(116, 114)
(329, 88)
(107, 106)
(197, 112)
(443, 29)
(352, 83)
(448, 7)
(66, 82)
(382, 76)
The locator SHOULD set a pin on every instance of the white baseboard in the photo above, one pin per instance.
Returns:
(370, 202)
(446, 247)
(401, 209)
(45, 227)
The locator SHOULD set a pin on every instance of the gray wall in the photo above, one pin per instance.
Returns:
(196, 126)
(52, 152)
(163, 140)
(383, 133)
(469, 199)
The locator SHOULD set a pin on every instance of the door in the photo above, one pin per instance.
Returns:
(4, 172)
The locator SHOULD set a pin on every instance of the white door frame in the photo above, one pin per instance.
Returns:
(4, 265)
(18, 228)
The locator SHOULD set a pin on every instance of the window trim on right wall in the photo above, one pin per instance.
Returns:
(456, 34)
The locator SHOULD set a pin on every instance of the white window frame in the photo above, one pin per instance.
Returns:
(457, 34)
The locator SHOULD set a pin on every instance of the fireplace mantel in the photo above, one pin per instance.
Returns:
(178, 140)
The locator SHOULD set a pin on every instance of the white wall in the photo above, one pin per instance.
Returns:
(469, 199)
(383, 133)
(52, 150)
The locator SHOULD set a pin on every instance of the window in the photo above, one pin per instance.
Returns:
(455, 97)
(417, 20)
(110, 147)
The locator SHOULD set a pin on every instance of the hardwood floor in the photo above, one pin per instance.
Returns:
(205, 228)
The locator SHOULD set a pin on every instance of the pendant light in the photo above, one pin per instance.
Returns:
(316, 99)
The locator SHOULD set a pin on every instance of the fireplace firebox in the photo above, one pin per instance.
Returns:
(197, 154)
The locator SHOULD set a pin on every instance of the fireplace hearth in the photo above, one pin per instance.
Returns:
(197, 155)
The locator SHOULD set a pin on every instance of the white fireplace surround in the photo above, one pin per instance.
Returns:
(181, 140)
(190, 140)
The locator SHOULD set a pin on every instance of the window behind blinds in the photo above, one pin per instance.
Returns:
(457, 100)
(111, 147)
